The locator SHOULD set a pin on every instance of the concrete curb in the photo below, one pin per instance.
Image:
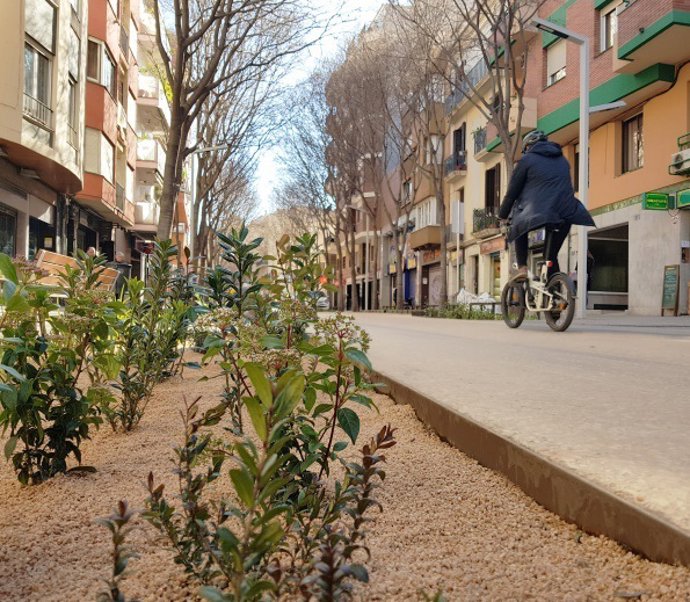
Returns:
(557, 489)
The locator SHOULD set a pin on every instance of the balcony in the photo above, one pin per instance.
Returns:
(150, 156)
(456, 165)
(154, 111)
(146, 214)
(464, 89)
(485, 222)
(38, 111)
(429, 236)
(646, 37)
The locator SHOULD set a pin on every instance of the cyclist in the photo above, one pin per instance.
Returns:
(539, 195)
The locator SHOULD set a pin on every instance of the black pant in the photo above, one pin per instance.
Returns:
(555, 237)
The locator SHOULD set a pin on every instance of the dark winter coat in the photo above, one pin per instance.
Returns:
(540, 192)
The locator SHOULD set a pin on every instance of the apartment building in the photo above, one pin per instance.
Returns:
(104, 208)
(639, 56)
(43, 45)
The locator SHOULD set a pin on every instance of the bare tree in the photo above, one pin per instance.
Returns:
(306, 171)
(469, 43)
(213, 44)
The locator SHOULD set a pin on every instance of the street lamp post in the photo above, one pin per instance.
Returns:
(583, 183)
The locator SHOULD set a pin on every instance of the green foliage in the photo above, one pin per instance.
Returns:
(460, 312)
(282, 531)
(154, 319)
(54, 364)
(118, 525)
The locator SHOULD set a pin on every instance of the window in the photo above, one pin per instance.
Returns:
(407, 191)
(40, 22)
(73, 113)
(100, 67)
(37, 85)
(109, 79)
(633, 144)
(492, 190)
(460, 140)
(99, 154)
(555, 62)
(93, 61)
(434, 150)
(608, 26)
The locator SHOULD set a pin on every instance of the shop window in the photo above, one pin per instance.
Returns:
(555, 62)
(8, 230)
(633, 144)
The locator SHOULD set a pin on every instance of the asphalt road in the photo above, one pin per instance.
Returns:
(609, 399)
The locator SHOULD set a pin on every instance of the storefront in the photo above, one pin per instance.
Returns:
(491, 254)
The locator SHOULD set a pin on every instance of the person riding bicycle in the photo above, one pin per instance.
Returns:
(540, 194)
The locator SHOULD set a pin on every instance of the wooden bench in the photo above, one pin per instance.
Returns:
(55, 264)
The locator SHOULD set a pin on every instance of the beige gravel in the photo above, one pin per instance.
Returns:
(448, 525)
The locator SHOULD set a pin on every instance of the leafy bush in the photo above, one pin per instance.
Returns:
(47, 406)
(460, 312)
(284, 530)
(153, 322)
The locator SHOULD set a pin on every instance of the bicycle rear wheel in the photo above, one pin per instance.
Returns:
(513, 304)
(560, 318)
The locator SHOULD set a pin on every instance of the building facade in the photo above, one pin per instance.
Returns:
(43, 44)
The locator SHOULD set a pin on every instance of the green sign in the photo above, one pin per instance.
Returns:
(669, 296)
(683, 198)
(658, 201)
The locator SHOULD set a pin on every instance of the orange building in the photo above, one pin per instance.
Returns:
(105, 206)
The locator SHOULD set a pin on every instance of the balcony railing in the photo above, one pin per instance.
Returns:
(150, 87)
(483, 219)
(464, 89)
(146, 213)
(151, 150)
(37, 110)
(120, 197)
(479, 140)
(457, 162)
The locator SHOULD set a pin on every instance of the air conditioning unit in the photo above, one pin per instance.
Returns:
(680, 163)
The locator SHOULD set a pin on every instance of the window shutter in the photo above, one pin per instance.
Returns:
(555, 57)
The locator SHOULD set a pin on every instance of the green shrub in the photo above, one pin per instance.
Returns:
(53, 365)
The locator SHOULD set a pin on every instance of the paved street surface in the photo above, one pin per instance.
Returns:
(609, 399)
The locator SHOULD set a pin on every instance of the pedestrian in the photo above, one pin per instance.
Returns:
(124, 269)
(91, 252)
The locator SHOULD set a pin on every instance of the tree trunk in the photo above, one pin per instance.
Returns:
(444, 248)
(352, 250)
(375, 269)
(170, 178)
(399, 273)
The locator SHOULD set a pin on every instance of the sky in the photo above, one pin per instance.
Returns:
(356, 13)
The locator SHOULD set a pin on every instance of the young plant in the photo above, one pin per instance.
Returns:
(118, 525)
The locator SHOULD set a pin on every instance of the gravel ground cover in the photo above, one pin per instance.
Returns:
(448, 525)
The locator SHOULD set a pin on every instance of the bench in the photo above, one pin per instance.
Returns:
(55, 263)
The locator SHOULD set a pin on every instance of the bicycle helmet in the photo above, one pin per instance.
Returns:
(531, 138)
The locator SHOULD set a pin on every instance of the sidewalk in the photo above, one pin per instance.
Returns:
(593, 423)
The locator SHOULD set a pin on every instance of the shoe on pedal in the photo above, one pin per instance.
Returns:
(520, 274)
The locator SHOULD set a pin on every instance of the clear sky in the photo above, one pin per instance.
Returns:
(354, 15)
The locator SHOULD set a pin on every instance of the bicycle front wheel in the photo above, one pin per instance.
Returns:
(561, 316)
(513, 304)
